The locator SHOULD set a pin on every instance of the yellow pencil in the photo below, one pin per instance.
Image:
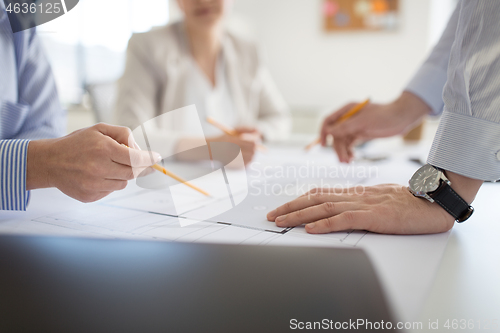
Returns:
(312, 144)
(344, 117)
(174, 176)
(229, 131)
(179, 179)
(223, 128)
(353, 111)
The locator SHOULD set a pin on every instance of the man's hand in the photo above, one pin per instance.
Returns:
(87, 164)
(387, 209)
(373, 121)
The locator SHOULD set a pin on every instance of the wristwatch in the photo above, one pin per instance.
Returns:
(430, 183)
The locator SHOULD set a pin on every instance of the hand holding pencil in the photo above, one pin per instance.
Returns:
(172, 175)
(371, 122)
(87, 164)
(234, 132)
(337, 118)
(246, 138)
(345, 128)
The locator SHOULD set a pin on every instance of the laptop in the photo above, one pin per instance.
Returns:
(92, 285)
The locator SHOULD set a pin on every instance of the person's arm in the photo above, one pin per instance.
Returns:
(468, 138)
(137, 105)
(274, 121)
(386, 209)
(139, 94)
(38, 111)
(138, 88)
(422, 96)
(87, 164)
(373, 121)
(429, 81)
(467, 145)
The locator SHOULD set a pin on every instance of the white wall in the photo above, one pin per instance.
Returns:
(440, 13)
(317, 69)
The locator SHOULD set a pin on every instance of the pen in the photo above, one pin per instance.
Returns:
(174, 176)
(229, 131)
(344, 117)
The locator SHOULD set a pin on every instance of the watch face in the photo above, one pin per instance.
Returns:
(425, 180)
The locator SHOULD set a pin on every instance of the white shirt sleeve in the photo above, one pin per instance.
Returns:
(430, 79)
(468, 137)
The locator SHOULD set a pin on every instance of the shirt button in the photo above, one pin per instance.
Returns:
(498, 155)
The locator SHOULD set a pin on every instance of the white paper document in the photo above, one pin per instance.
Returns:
(235, 213)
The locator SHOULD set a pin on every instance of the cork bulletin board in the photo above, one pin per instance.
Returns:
(360, 15)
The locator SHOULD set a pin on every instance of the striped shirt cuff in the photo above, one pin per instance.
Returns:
(13, 159)
(467, 146)
(428, 84)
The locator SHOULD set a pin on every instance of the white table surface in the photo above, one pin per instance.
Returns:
(467, 285)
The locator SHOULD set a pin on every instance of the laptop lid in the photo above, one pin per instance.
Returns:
(90, 285)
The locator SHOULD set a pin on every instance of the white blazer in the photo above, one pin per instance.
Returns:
(154, 82)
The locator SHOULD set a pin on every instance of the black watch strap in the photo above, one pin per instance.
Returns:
(447, 198)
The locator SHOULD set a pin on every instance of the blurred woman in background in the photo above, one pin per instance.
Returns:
(199, 61)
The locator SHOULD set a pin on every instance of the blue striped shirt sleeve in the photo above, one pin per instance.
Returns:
(29, 108)
(13, 159)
